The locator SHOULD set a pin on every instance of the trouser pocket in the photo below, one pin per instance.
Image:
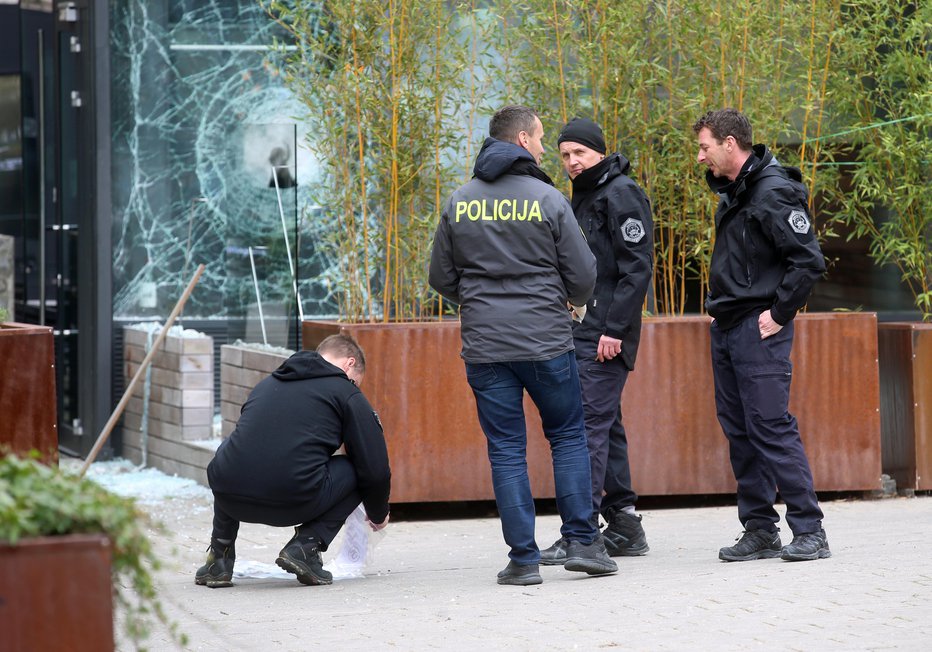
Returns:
(768, 391)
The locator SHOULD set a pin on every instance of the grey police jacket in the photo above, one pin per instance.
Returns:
(508, 250)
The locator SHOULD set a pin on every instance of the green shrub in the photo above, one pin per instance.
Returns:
(397, 95)
(37, 500)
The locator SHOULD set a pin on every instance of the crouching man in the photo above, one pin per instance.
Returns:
(278, 466)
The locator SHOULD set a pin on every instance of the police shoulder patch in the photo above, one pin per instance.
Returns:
(799, 221)
(632, 230)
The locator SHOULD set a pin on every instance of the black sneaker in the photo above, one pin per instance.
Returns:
(519, 575)
(754, 544)
(301, 556)
(624, 536)
(555, 555)
(806, 547)
(218, 571)
(589, 558)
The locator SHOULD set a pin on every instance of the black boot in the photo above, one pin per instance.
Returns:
(218, 571)
(301, 556)
(624, 536)
(806, 547)
(754, 544)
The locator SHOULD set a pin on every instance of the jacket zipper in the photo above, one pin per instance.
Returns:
(747, 262)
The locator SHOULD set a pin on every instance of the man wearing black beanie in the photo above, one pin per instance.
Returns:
(615, 216)
(585, 132)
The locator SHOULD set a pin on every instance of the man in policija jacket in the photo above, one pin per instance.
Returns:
(508, 250)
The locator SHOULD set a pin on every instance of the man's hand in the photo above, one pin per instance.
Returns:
(576, 312)
(767, 325)
(609, 347)
(378, 526)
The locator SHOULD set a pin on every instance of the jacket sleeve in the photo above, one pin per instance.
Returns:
(366, 449)
(632, 231)
(443, 275)
(787, 221)
(575, 261)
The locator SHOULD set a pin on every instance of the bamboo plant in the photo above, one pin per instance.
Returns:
(888, 95)
(398, 94)
(384, 85)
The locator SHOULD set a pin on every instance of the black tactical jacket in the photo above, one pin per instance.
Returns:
(615, 217)
(290, 426)
(766, 255)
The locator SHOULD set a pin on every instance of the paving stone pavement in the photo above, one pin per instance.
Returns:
(431, 586)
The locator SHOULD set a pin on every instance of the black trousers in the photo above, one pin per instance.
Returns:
(752, 395)
(601, 384)
(321, 516)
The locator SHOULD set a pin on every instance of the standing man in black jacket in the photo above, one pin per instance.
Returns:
(278, 466)
(765, 261)
(615, 216)
(509, 251)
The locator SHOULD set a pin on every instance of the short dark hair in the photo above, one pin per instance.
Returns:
(344, 346)
(725, 123)
(511, 120)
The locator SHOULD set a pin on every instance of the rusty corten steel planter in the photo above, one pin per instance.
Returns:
(56, 594)
(676, 444)
(906, 402)
(28, 408)
(416, 381)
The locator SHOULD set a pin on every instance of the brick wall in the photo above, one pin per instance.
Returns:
(241, 369)
(179, 429)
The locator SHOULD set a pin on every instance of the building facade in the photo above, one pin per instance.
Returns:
(141, 138)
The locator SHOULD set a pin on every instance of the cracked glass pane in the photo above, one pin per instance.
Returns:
(209, 166)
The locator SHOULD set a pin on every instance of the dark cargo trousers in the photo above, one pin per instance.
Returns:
(601, 384)
(752, 393)
(321, 515)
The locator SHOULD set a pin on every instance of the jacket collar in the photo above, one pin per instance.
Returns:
(760, 158)
(499, 157)
(608, 168)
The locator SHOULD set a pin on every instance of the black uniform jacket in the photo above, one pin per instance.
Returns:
(615, 216)
(290, 426)
(766, 255)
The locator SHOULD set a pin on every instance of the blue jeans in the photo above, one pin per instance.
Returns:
(553, 385)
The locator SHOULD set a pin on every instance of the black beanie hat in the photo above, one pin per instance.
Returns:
(585, 132)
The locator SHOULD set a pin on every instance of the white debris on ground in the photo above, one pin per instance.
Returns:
(258, 570)
(147, 485)
(349, 556)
